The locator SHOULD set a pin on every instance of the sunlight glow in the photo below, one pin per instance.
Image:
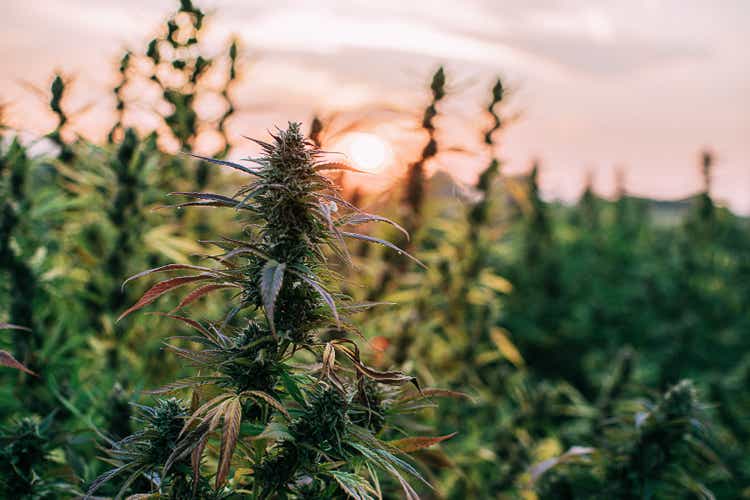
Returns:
(367, 152)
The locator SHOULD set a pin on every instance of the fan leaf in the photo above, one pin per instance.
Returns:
(160, 289)
(201, 291)
(161, 269)
(272, 278)
(229, 436)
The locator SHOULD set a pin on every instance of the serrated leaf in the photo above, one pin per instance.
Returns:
(204, 410)
(160, 289)
(268, 399)
(325, 295)
(168, 267)
(201, 291)
(191, 322)
(229, 436)
(272, 278)
(292, 388)
(184, 383)
(353, 485)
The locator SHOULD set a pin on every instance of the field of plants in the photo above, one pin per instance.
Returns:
(179, 326)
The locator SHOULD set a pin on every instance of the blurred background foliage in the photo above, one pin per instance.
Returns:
(605, 345)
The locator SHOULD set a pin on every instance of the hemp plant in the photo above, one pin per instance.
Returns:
(119, 92)
(57, 91)
(663, 451)
(416, 178)
(286, 392)
(181, 76)
(414, 189)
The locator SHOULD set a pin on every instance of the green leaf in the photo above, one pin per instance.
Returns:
(353, 485)
(292, 388)
(325, 295)
(272, 278)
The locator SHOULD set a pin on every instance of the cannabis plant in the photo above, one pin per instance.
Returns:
(663, 451)
(282, 386)
(28, 469)
(416, 176)
(414, 188)
(180, 73)
(119, 92)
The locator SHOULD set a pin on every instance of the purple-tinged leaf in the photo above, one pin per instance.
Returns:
(201, 291)
(160, 289)
(229, 436)
(7, 359)
(168, 267)
(8, 326)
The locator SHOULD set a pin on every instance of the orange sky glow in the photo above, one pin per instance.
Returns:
(641, 86)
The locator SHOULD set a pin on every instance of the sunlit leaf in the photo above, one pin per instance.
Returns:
(500, 338)
(410, 444)
(575, 452)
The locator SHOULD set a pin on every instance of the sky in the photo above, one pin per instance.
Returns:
(597, 86)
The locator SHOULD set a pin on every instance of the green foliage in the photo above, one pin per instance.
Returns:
(27, 467)
(301, 426)
(557, 340)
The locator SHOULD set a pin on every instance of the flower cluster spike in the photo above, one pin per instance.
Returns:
(415, 183)
(479, 210)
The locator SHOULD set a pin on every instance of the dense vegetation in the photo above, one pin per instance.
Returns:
(502, 346)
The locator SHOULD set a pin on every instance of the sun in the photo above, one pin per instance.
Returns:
(365, 151)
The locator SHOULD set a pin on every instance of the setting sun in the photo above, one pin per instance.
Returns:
(365, 151)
